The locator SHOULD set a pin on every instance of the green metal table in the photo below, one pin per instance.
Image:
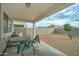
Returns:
(24, 45)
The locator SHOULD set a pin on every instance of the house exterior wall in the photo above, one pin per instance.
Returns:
(2, 43)
(2, 34)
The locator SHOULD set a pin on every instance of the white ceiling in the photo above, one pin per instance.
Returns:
(36, 12)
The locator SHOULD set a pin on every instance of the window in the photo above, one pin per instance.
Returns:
(7, 24)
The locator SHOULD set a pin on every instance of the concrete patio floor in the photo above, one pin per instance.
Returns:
(43, 50)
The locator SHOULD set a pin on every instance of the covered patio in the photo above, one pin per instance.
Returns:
(20, 13)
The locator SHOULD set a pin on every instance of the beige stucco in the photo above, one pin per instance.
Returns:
(18, 22)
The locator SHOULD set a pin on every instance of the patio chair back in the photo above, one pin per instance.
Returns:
(36, 39)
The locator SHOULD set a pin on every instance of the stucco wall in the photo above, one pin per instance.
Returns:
(2, 42)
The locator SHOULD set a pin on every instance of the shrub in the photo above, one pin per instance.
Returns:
(68, 28)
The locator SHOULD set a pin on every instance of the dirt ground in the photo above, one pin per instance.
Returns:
(62, 43)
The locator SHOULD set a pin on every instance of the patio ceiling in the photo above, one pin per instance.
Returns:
(36, 12)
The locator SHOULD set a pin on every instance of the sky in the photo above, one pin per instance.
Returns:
(68, 15)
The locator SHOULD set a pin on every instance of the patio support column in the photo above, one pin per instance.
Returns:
(13, 27)
(34, 30)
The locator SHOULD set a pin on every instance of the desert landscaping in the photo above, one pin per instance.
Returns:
(60, 41)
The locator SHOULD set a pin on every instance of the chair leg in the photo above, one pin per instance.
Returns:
(21, 50)
(5, 50)
(22, 53)
(34, 50)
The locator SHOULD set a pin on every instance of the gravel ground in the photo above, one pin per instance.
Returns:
(62, 43)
